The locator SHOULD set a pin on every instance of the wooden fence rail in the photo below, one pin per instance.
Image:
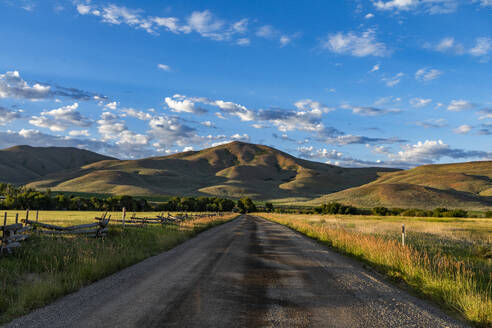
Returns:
(161, 218)
(98, 229)
(139, 221)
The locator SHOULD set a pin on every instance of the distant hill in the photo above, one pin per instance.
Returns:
(234, 170)
(462, 185)
(23, 164)
(241, 169)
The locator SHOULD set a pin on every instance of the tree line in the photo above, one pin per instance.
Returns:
(21, 198)
(338, 208)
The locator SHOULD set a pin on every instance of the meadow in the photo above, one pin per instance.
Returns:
(447, 260)
(46, 268)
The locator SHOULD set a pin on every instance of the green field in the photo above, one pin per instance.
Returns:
(45, 268)
(446, 260)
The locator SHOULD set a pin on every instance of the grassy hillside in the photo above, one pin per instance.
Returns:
(236, 169)
(241, 169)
(462, 185)
(471, 177)
(22, 164)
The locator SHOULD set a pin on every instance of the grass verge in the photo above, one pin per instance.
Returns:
(458, 283)
(46, 268)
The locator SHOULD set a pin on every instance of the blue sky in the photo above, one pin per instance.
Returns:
(355, 83)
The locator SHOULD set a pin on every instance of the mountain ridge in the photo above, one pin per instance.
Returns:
(235, 169)
(23, 163)
(240, 169)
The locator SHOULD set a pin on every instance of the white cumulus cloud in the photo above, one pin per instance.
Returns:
(433, 150)
(181, 104)
(7, 115)
(13, 86)
(60, 119)
(463, 129)
(420, 102)
(164, 67)
(459, 105)
(428, 6)
(482, 47)
(427, 74)
(358, 45)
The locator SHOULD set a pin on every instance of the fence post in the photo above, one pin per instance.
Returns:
(123, 217)
(37, 215)
(3, 233)
(403, 235)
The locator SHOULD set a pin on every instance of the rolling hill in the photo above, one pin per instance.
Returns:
(241, 169)
(461, 185)
(22, 164)
(234, 170)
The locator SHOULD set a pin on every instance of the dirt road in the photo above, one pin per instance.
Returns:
(246, 273)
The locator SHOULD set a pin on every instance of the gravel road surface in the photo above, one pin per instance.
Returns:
(246, 273)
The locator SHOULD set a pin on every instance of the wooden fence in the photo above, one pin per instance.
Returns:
(98, 229)
(134, 220)
(159, 219)
(12, 235)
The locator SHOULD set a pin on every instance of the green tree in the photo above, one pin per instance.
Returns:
(380, 211)
(246, 205)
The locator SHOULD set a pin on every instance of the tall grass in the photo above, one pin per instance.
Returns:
(46, 268)
(440, 277)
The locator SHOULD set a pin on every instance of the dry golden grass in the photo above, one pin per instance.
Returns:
(446, 260)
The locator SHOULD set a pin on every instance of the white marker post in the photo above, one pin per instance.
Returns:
(123, 217)
(403, 235)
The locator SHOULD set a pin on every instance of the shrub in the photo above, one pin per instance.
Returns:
(380, 211)
(438, 212)
(269, 207)
(337, 208)
(456, 214)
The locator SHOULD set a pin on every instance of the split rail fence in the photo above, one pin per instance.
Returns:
(98, 229)
(14, 234)
(162, 219)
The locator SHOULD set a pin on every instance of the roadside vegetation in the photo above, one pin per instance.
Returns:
(45, 268)
(448, 260)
